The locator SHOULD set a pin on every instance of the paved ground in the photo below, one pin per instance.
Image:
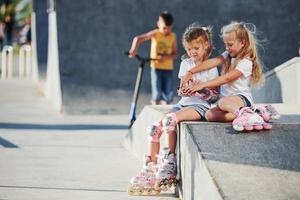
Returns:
(44, 155)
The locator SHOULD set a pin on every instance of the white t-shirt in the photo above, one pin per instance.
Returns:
(242, 84)
(204, 76)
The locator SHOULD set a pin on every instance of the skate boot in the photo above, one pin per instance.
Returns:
(167, 171)
(267, 112)
(144, 182)
(169, 123)
(206, 94)
(155, 131)
(248, 120)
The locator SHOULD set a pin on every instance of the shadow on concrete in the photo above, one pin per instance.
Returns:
(58, 188)
(7, 144)
(77, 189)
(63, 126)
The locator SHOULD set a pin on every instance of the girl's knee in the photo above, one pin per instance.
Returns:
(209, 116)
(224, 103)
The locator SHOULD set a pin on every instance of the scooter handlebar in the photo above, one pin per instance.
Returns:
(138, 57)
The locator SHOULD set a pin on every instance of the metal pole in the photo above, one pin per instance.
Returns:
(136, 93)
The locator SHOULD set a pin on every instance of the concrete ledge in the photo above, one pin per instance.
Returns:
(137, 140)
(215, 163)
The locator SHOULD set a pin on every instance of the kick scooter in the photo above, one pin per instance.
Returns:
(143, 61)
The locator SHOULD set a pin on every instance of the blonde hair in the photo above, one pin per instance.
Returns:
(244, 34)
(199, 33)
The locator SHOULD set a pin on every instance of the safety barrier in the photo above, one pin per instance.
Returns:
(7, 62)
(25, 64)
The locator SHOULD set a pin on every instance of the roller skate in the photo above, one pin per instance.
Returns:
(206, 94)
(144, 182)
(249, 120)
(267, 112)
(167, 171)
(169, 123)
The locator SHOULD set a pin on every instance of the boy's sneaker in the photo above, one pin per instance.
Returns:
(248, 120)
(267, 112)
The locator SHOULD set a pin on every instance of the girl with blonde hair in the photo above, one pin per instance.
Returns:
(241, 69)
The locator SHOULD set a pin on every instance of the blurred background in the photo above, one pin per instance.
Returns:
(95, 77)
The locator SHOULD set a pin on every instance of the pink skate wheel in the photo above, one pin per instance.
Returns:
(248, 128)
(267, 126)
(258, 127)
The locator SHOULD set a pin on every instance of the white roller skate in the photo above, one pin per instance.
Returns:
(249, 120)
(167, 171)
(267, 112)
(144, 182)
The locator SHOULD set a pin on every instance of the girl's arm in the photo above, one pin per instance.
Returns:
(226, 78)
(206, 65)
(138, 40)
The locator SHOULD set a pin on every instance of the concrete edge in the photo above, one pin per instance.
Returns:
(193, 170)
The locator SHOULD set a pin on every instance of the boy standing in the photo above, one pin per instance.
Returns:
(163, 51)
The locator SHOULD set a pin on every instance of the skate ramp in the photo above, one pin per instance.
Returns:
(282, 84)
(137, 140)
(258, 165)
(217, 163)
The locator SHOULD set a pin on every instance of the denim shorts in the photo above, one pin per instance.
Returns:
(197, 107)
(245, 100)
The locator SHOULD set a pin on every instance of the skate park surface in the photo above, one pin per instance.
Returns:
(47, 155)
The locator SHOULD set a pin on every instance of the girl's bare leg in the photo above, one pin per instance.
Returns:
(225, 111)
(154, 150)
(186, 114)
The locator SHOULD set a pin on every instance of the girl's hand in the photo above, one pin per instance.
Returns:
(186, 79)
(194, 88)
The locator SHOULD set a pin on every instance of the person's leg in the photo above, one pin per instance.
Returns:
(156, 85)
(168, 77)
(186, 114)
(225, 111)
(217, 115)
(154, 150)
(155, 132)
